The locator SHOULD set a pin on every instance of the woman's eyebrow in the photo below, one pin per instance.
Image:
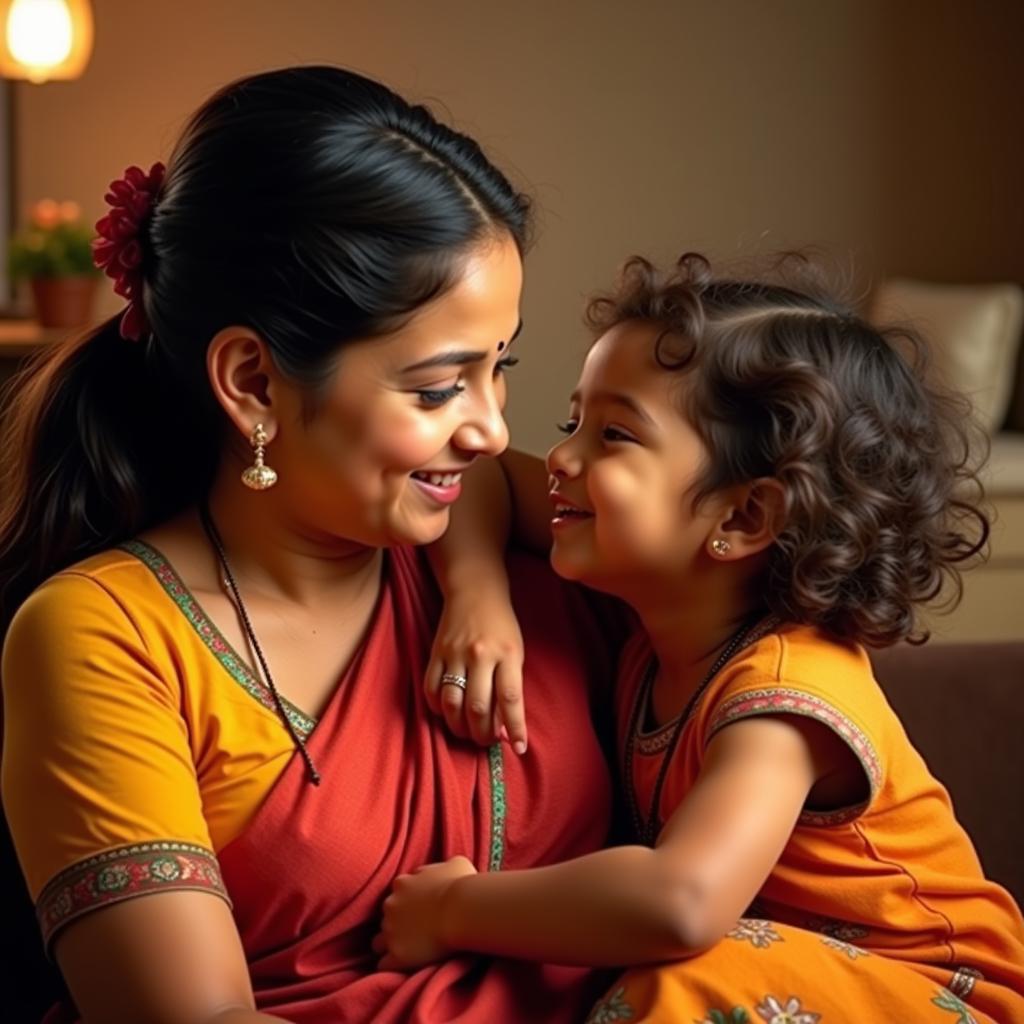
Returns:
(460, 357)
(453, 357)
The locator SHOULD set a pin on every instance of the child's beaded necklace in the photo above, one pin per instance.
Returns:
(646, 829)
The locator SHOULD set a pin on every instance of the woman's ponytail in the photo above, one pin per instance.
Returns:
(88, 458)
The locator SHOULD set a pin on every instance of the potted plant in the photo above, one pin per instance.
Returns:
(54, 254)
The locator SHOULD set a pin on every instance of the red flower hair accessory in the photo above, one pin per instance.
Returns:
(117, 251)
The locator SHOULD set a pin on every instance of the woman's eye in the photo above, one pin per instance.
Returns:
(505, 364)
(568, 427)
(614, 434)
(435, 397)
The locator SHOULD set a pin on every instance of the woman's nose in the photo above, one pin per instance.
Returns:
(485, 432)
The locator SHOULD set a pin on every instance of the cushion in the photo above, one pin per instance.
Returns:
(1003, 474)
(974, 332)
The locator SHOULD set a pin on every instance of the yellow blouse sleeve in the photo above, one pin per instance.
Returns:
(99, 784)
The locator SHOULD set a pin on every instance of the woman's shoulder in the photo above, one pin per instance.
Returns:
(112, 601)
(112, 577)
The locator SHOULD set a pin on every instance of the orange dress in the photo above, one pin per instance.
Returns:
(878, 912)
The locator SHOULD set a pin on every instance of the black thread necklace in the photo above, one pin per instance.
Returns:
(218, 545)
(646, 830)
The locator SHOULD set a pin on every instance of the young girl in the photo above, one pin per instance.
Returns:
(772, 487)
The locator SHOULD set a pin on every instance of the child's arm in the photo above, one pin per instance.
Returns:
(631, 904)
(478, 636)
(528, 485)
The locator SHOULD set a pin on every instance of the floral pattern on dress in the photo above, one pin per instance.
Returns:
(945, 1000)
(615, 1007)
(773, 1012)
(737, 1015)
(760, 934)
(848, 948)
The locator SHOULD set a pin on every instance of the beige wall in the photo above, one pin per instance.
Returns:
(887, 132)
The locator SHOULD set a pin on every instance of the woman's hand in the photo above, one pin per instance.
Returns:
(412, 932)
(479, 642)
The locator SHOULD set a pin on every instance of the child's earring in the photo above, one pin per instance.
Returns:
(720, 546)
(259, 476)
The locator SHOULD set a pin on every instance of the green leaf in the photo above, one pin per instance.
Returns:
(64, 250)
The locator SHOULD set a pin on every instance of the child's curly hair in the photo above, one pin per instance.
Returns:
(883, 501)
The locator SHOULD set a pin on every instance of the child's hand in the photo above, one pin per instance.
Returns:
(478, 640)
(411, 932)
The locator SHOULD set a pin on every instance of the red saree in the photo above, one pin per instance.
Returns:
(309, 873)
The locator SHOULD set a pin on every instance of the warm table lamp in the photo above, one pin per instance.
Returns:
(43, 40)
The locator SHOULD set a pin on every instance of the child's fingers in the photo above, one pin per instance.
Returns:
(479, 704)
(510, 702)
(452, 693)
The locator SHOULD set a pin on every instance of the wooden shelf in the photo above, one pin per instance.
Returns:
(20, 338)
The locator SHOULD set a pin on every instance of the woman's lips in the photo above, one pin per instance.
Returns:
(443, 488)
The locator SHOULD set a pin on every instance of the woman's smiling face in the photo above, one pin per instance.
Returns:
(623, 479)
(402, 416)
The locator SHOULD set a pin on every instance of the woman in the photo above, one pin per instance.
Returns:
(214, 697)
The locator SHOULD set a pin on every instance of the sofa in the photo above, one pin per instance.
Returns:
(963, 707)
(975, 339)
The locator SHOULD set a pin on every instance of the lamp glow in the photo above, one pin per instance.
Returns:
(39, 32)
(44, 39)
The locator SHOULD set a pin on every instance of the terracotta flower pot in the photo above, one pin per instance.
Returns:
(64, 301)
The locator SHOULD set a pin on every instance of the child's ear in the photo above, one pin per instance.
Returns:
(751, 522)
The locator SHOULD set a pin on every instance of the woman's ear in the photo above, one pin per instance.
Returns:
(751, 522)
(244, 379)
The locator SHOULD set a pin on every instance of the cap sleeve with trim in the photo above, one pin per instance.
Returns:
(98, 780)
(800, 671)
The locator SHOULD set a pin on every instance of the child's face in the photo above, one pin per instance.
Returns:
(622, 480)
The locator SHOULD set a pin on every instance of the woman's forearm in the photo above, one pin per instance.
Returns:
(612, 908)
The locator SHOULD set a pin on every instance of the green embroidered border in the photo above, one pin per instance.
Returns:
(214, 640)
(499, 808)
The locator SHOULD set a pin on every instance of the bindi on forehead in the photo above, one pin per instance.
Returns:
(502, 345)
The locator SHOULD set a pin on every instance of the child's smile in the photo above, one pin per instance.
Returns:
(622, 479)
